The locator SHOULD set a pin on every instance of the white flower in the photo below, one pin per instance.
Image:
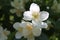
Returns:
(16, 11)
(18, 7)
(3, 34)
(56, 6)
(26, 29)
(17, 4)
(36, 16)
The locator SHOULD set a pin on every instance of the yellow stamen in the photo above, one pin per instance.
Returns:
(30, 35)
(35, 15)
(20, 29)
(5, 33)
(29, 27)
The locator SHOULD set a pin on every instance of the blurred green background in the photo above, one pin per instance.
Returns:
(7, 19)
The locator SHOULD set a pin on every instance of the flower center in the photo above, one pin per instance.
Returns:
(30, 35)
(20, 29)
(29, 27)
(35, 15)
(5, 33)
(18, 11)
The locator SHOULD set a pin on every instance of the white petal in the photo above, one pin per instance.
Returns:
(36, 31)
(39, 24)
(44, 25)
(12, 4)
(36, 23)
(2, 36)
(22, 21)
(17, 4)
(13, 10)
(23, 24)
(1, 29)
(44, 15)
(25, 32)
(34, 7)
(7, 32)
(18, 35)
(16, 25)
(31, 38)
(2, 39)
(5, 37)
(18, 14)
(27, 15)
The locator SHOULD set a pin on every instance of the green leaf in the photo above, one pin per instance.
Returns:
(11, 36)
(42, 37)
(57, 26)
